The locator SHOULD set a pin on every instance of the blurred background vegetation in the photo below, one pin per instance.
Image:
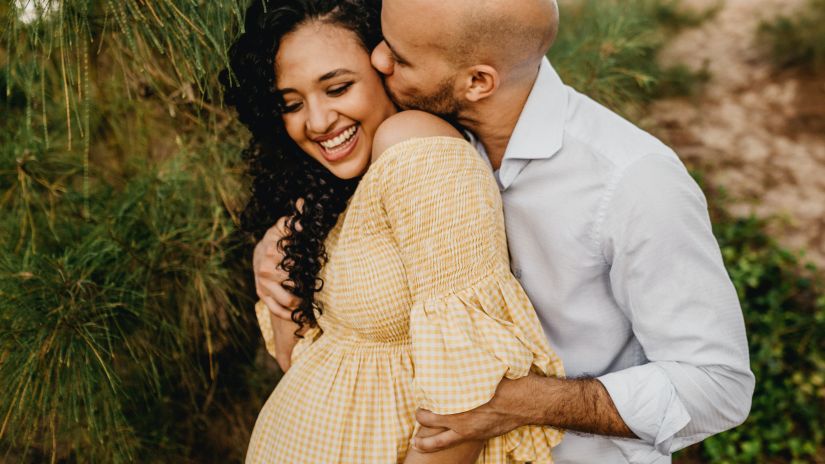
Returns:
(126, 324)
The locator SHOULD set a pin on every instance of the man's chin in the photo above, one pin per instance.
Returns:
(401, 103)
(438, 107)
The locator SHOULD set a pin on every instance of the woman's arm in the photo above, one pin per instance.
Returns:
(399, 128)
(285, 340)
(278, 333)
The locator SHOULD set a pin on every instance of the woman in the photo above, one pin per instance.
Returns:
(396, 249)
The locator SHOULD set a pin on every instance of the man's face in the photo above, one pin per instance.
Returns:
(417, 73)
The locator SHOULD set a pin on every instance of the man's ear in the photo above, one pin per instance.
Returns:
(482, 81)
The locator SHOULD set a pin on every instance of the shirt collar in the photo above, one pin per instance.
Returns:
(539, 131)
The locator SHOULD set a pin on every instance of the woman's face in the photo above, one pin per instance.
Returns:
(333, 99)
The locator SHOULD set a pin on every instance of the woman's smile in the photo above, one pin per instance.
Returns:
(338, 146)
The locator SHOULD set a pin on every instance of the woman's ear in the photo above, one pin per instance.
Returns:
(482, 81)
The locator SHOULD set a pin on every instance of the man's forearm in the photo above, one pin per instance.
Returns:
(576, 404)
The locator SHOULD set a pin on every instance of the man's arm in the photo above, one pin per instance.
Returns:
(269, 277)
(667, 276)
(278, 328)
(284, 333)
(576, 404)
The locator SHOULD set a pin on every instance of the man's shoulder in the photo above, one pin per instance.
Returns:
(609, 137)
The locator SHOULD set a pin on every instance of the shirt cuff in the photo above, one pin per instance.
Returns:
(648, 404)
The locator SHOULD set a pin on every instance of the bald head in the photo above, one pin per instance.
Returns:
(458, 58)
(506, 31)
(503, 33)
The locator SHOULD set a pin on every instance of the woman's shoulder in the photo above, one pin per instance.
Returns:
(408, 125)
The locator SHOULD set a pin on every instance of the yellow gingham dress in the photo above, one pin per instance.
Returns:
(419, 310)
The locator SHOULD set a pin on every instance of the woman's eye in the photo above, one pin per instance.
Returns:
(290, 107)
(339, 90)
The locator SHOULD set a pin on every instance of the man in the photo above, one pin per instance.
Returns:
(608, 234)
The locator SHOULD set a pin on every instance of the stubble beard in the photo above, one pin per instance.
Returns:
(441, 103)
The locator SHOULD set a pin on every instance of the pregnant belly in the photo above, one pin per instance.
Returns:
(343, 400)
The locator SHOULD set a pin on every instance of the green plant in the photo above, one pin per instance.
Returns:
(124, 306)
(607, 49)
(783, 302)
(797, 40)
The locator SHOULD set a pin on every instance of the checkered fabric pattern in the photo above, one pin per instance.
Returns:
(419, 310)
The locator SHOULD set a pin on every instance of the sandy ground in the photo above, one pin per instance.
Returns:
(756, 131)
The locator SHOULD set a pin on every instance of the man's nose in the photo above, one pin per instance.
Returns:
(382, 60)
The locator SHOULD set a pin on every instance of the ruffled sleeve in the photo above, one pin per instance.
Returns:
(471, 322)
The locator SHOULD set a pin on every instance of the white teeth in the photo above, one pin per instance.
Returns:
(340, 140)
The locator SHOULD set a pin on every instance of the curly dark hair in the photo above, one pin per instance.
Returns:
(281, 173)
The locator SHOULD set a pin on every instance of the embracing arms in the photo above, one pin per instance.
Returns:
(667, 276)
(275, 310)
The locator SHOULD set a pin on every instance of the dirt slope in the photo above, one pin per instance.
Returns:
(756, 131)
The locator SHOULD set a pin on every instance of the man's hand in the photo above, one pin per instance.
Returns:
(510, 408)
(577, 404)
(269, 276)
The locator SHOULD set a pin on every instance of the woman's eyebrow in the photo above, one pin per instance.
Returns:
(330, 75)
(335, 73)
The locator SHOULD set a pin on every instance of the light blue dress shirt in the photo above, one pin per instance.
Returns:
(610, 237)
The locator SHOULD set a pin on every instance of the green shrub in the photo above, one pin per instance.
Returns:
(607, 49)
(124, 301)
(798, 40)
(112, 326)
(784, 306)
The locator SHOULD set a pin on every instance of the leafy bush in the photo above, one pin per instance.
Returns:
(123, 293)
(798, 40)
(607, 49)
(784, 306)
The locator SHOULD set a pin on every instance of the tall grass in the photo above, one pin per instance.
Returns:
(122, 280)
(608, 50)
(798, 39)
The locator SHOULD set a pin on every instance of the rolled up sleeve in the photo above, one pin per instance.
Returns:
(668, 277)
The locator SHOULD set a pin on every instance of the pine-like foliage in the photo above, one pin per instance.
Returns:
(608, 50)
(120, 281)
